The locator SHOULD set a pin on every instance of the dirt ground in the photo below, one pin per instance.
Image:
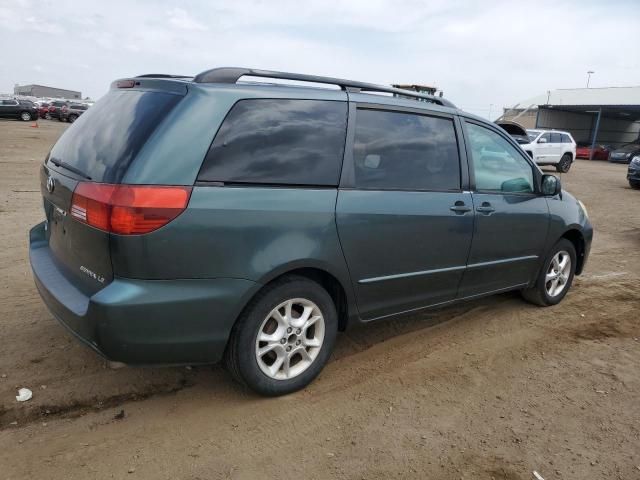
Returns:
(491, 389)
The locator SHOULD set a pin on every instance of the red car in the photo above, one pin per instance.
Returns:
(43, 109)
(600, 152)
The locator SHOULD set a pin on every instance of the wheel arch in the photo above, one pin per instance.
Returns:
(336, 284)
(576, 237)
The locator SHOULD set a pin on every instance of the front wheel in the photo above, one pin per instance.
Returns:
(72, 118)
(556, 277)
(284, 337)
(564, 164)
(25, 116)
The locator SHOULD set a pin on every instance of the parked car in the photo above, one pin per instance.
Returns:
(72, 112)
(293, 213)
(43, 110)
(551, 147)
(55, 108)
(633, 173)
(12, 108)
(625, 153)
(600, 152)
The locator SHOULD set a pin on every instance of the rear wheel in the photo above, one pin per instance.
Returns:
(25, 116)
(72, 118)
(47, 116)
(556, 277)
(284, 337)
(564, 164)
(634, 184)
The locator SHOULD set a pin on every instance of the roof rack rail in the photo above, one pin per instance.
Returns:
(233, 74)
(162, 75)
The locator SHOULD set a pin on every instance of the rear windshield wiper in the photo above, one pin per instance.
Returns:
(66, 166)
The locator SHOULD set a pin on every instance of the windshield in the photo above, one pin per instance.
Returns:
(629, 147)
(103, 141)
(533, 134)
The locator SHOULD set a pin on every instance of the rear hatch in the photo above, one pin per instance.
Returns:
(97, 149)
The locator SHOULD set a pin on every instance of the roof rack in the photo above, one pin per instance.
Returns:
(162, 75)
(232, 75)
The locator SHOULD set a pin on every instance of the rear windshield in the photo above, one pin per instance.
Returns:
(102, 142)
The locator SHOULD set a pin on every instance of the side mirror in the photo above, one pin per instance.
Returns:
(551, 185)
(542, 140)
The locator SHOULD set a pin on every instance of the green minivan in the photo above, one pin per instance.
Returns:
(231, 217)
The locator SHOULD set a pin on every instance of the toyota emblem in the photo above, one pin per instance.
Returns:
(50, 184)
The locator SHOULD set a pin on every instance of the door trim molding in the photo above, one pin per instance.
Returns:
(505, 260)
(410, 274)
(397, 276)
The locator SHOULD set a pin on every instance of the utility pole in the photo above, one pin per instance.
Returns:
(589, 73)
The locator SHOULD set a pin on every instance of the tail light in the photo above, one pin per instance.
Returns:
(128, 209)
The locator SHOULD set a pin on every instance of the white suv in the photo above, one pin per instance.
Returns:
(551, 147)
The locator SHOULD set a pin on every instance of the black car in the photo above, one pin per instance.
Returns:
(11, 108)
(633, 174)
(625, 153)
(72, 112)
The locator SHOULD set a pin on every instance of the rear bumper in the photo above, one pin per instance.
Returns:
(143, 322)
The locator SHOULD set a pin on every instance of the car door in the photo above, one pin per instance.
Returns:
(555, 151)
(543, 153)
(8, 108)
(404, 221)
(511, 218)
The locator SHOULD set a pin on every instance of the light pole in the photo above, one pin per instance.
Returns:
(589, 73)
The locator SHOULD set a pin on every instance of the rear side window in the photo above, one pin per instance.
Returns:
(279, 142)
(556, 138)
(103, 141)
(566, 138)
(403, 151)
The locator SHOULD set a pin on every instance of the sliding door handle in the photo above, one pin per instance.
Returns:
(460, 207)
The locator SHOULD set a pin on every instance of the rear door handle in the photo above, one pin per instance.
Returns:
(460, 207)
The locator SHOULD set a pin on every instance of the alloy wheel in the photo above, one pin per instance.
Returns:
(25, 116)
(290, 339)
(558, 273)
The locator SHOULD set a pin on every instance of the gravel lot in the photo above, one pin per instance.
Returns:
(494, 388)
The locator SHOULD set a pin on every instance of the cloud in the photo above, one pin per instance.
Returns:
(479, 53)
(179, 18)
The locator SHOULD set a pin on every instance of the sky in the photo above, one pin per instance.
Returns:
(484, 55)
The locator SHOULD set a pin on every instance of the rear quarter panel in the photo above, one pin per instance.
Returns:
(252, 233)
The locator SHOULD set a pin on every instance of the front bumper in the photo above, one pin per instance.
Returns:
(624, 159)
(633, 173)
(143, 322)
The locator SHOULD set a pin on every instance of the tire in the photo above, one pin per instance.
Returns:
(634, 184)
(25, 116)
(564, 164)
(542, 293)
(72, 118)
(242, 357)
(47, 116)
